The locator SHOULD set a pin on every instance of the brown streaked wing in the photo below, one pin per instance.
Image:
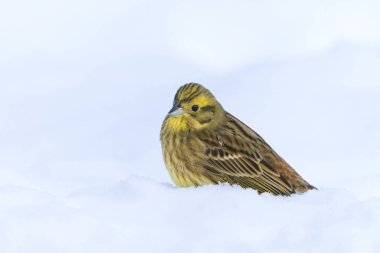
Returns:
(242, 167)
(233, 164)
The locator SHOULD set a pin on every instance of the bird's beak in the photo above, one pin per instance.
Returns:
(176, 110)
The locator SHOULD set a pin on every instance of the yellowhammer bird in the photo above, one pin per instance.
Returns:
(203, 144)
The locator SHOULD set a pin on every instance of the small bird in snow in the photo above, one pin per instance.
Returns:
(203, 144)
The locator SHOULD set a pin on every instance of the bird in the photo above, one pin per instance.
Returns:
(203, 144)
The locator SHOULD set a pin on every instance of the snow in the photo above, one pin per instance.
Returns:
(138, 214)
(85, 85)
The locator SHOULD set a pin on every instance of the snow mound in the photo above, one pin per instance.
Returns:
(139, 215)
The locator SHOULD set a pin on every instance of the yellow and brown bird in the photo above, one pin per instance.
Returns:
(203, 144)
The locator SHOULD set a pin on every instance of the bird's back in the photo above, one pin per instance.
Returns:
(255, 146)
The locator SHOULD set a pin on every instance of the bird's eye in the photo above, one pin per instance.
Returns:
(195, 108)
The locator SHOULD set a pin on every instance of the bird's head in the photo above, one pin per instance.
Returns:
(194, 109)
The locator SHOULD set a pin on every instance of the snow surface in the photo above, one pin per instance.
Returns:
(85, 85)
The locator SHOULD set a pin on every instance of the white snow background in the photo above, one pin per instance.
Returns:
(85, 85)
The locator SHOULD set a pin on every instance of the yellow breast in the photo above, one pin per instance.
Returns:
(184, 176)
(187, 178)
(178, 156)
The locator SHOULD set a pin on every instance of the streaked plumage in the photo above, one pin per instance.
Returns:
(203, 144)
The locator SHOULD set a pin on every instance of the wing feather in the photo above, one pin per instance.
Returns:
(244, 166)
